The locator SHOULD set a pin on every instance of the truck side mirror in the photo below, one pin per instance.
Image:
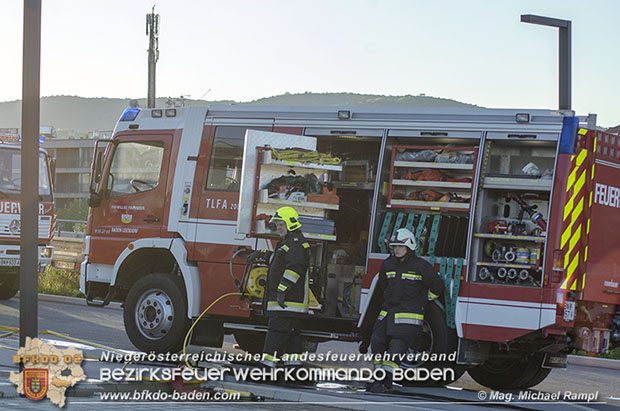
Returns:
(96, 171)
(94, 200)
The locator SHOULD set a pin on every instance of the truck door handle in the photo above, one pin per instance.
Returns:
(151, 219)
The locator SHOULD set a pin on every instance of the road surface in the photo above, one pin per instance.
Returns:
(105, 326)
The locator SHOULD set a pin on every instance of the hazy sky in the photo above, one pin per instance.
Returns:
(475, 51)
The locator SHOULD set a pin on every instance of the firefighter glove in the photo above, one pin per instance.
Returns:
(363, 348)
(280, 297)
(262, 255)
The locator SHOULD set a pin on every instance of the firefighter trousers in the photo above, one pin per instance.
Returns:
(391, 343)
(282, 338)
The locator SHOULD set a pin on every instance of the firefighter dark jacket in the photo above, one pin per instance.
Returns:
(288, 274)
(405, 288)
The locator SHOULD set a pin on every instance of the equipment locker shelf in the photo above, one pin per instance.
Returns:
(511, 237)
(462, 189)
(528, 184)
(509, 265)
(268, 168)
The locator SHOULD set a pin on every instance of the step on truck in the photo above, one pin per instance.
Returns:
(10, 209)
(516, 209)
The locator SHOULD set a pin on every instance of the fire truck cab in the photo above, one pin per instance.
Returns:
(10, 209)
(500, 202)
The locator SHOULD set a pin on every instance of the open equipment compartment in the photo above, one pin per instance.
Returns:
(512, 211)
(312, 208)
(428, 191)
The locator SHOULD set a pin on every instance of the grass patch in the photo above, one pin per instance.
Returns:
(613, 354)
(60, 282)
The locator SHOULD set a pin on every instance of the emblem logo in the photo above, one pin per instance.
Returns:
(126, 218)
(15, 226)
(36, 382)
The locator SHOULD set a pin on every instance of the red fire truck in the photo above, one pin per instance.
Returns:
(10, 209)
(516, 209)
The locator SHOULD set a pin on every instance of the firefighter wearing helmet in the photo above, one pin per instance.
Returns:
(405, 284)
(287, 291)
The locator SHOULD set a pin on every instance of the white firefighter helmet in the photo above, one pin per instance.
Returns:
(402, 236)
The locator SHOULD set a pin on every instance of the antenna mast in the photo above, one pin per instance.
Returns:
(152, 30)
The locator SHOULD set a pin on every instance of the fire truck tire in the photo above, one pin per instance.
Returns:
(251, 342)
(539, 377)
(9, 286)
(155, 313)
(440, 338)
(510, 374)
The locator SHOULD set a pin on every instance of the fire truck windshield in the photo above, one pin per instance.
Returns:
(10, 172)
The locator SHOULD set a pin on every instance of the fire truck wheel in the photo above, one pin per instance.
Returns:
(510, 374)
(9, 286)
(539, 377)
(155, 313)
(436, 337)
(251, 342)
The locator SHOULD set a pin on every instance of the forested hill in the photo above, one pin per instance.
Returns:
(88, 114)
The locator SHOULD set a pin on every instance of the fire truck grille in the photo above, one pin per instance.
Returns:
(10, 227)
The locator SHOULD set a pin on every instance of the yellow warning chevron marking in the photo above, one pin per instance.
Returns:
(573, 265)
(583, 282)
(568, 208)
(582, 156)
(571, 179)
(571, 270)
(573, 174)
(577, 211)
(582, 131)
(574, 216)
(585, 258)
(580, 182)
(574, 286)
(566, 235)
(574, 239)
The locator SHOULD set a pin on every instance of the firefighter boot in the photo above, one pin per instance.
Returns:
(382, 386)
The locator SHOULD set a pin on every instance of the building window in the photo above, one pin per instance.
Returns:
(227, 157)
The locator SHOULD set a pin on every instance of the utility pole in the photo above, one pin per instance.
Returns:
(152, 30)
(29, 250)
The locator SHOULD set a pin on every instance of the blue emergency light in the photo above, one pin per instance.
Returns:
(130, 114)
(568, 138)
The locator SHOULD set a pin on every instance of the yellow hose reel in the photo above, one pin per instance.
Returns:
(257, 280)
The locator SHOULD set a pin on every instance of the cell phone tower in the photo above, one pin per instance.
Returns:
(152, 30)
